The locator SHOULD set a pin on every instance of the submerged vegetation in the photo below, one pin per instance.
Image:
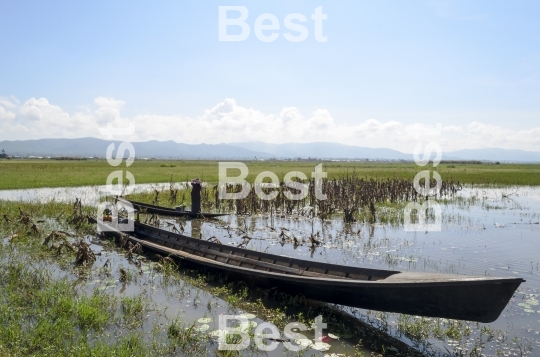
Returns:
(353, 198)
(344, 195)
(65, 301)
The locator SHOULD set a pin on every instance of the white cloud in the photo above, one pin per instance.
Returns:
(9, 102)
(6, 115)
(229, 122)
(109, 110)
(40, 109)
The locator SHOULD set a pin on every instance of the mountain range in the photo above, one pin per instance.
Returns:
(92, 147)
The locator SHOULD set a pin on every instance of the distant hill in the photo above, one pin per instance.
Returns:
(324, 151)
(335, 151)
(503, 155)
(92, 147)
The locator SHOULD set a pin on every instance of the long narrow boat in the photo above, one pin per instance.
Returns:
(164, 211)
(460, 297)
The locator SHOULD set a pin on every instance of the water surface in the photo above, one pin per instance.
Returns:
(485, 231)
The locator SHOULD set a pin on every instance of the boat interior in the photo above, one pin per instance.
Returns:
(256, 260)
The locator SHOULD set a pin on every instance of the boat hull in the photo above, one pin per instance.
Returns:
(461, 300)
(480, 299)
(163, 211)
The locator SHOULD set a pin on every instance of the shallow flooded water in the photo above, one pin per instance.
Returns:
(88, 194)
(190, 303)
(485, 231)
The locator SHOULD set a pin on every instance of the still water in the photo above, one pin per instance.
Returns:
(485, 231)
(88, 194)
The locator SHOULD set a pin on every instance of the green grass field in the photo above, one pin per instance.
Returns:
(51, 173)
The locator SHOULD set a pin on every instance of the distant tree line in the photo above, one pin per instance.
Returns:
(3, 155)
(68, 158)
(476, 162)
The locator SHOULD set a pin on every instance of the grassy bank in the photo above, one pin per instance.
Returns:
(44, 310)
(51, 173)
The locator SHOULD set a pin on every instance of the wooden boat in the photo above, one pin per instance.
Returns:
(460, 297)
(164, 211)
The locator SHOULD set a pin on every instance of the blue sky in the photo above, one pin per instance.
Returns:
(459, 63)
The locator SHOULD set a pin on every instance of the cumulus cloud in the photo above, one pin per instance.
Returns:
(40, 109)
(6, 115)
(9, 102)
(229, 122)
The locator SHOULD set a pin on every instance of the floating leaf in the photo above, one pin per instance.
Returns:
(202, 328)
(335, 337)
(204, 320)
(303, 343)
(320, 346)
